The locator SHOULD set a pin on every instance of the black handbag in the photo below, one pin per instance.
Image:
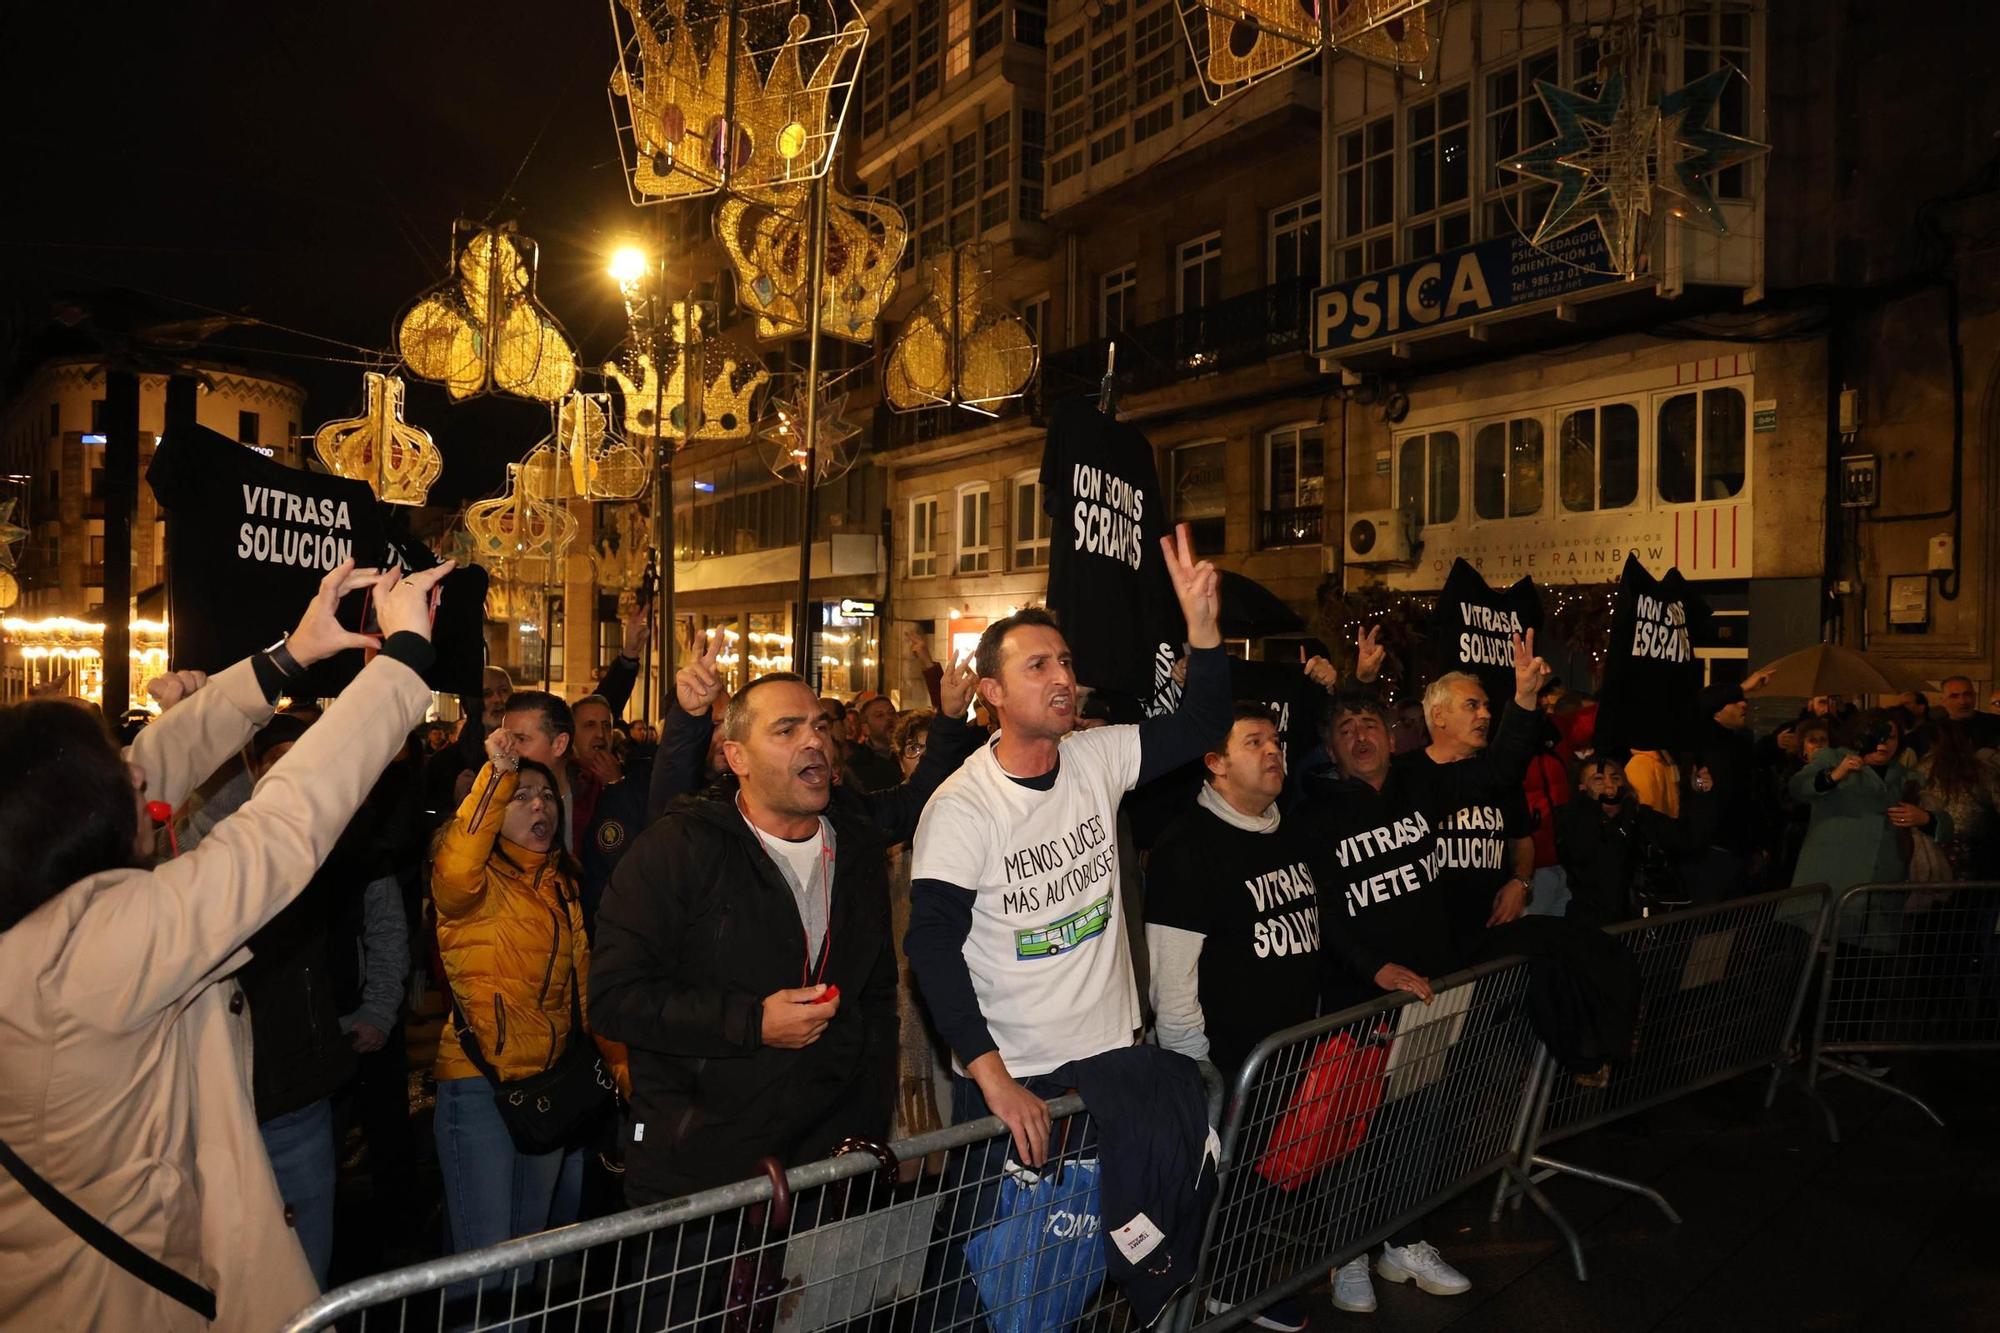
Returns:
(557, 1108)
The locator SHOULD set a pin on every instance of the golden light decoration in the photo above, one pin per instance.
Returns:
(959, 347)
(397, 460)
(623, 550)
(1239, 43)
(483, 330)
(730, 378)
(722, 97)
(12, 534)
(783, 438)
(768, 236)
(596, 461)
(517, 525)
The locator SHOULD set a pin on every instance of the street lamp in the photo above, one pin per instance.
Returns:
(628, 265)
(631, 267)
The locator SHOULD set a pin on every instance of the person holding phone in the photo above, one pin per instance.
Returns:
(139, 1192)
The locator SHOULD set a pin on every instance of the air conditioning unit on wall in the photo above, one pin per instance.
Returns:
(1378, 537)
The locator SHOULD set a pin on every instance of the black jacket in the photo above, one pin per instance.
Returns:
(1733, 814)
(1601, 854)
(697, 928)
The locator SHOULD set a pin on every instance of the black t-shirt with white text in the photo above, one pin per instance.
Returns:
(1107, 579)
(1652, 679)
(1250, 896)
(1474, 836)
(1473, 627)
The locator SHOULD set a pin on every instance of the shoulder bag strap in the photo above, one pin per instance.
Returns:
(467, 1034)
(108, 1242)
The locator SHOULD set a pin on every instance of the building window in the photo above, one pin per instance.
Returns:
(899, 67)
(958, 44)
(931, 199)
(246, 428)
(1199, 263)
(1031, 22)
(55, 419)
(557, 621)
(1107, 81)
(1366, 187)
(1427, 477)
(1116, 292)
(1035, 314)
(989, 25)
(1516, 121)
(1198, 492)
(1439, 166)
(923, 537)
(610, 632)
(1294, 246)
(903, 193)
(1713, 35)
(1700, 446)
(1066, 110)
(994, 180)
(97, 416)
(930, 21)
(975, 540)
(874, 84)
(1031, 165)
(1032, 526)
(1155, 42)
(964, 187)
(1294, 487)
(1597, 457)
(1507, 469)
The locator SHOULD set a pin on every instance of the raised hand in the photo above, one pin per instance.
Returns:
(698, 684)
(500, 750)
(170, 687)
(1319, 671)
(409, 605)
(913, 639)
(1369, 653)
(320, 634)
(955, 690)
(1530, 671)
(1197, 586)
(1758, 681)
(1847, 768)
(637, 622)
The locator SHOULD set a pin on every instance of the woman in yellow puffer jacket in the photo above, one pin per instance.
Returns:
(510, 933)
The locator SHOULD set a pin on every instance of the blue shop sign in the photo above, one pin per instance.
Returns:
(1457, 286)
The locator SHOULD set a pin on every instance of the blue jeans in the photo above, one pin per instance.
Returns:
(493, 1191)
(300, 1145)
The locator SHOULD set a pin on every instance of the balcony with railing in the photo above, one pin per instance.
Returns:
(1236, 331)
(1289, 527)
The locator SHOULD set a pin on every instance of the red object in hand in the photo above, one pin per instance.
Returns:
(832, 992)
(163, 814)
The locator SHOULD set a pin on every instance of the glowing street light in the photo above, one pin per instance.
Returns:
(629, 265)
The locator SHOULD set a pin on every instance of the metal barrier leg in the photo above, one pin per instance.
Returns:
(1570, 1238)
(1534, 1107)
(1615, 1182)
(1881, 1085)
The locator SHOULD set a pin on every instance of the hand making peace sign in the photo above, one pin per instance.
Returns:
(698, 684)
(1197, 585)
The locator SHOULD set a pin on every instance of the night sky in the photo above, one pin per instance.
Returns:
(303, 164)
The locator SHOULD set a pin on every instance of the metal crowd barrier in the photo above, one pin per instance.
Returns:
(1721, 991)
(1911, 967)
(838, 1241)
(1344, 1129)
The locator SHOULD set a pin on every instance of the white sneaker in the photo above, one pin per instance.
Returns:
(1352, 1291)
(1422, 1262)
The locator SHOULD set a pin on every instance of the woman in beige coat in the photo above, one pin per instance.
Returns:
(124, 1040)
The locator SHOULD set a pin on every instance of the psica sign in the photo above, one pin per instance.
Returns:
(1456, 285)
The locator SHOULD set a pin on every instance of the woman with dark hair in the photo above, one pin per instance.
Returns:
(1964, 781)
(126, 1113)
(510, 933)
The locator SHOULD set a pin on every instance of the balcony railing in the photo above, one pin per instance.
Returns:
(1289, 527)
(1236, 331)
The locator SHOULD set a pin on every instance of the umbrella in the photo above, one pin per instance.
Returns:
(1250, 610)
(1826, 668)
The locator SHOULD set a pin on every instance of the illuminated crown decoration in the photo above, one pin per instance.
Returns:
(586, 457)
(1618, 147)
(519, 525)
(397, 460)
(482, 330)
(509, 596)
(718, 100)
(959, 347)
(783, 437)
(1239, 43)
(12, 534)
(623, 549)
(769, 236)
(728, 379)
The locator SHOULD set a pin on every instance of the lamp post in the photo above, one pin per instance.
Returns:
(630, 267)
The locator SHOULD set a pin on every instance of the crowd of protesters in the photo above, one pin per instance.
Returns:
(782, 921)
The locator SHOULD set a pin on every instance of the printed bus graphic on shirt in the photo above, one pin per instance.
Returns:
(1061, 936)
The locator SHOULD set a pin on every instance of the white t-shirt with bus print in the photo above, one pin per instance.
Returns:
(1047, 952)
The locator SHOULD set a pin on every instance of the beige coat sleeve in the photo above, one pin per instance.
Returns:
(146, 940)
(192, 739)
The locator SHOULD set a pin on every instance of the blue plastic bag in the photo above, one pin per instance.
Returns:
(1041, 1262)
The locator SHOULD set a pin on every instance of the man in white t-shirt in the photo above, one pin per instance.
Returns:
(1017, 932)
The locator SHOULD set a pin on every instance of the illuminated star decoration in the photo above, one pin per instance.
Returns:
(1600, 162)
(1691, 153)
(783, 433)
(11, 534)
